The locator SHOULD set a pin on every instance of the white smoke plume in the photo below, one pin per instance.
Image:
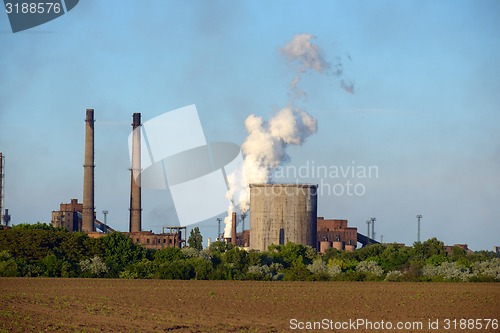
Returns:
(264, 150)
(265, 147)
(295, 92)
(301, 51)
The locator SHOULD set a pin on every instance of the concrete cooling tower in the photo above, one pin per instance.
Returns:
(281, 213)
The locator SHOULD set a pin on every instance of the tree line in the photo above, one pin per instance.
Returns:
(33, 250)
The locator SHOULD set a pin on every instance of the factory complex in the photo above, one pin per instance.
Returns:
(279, 213)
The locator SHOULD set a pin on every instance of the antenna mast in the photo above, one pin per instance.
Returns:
(218, 233)
(373, 227)
(419, 217)
(368, 231)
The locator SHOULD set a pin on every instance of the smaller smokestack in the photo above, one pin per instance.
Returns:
(233, 231)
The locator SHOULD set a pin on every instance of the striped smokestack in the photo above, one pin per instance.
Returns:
(88, 174)
(233, 231)
(135, 189)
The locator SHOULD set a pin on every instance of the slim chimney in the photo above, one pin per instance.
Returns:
(233, 231)
(1, 188)
(135, 170)
(88, 175)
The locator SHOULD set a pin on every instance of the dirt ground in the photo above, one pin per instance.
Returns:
(105, 305)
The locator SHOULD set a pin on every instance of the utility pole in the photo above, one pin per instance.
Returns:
(368, 230)
(218, 233)
(373, 227)
(419, 217)
(381, 239)
(105, 212)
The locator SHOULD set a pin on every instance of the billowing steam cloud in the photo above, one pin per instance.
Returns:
(265, 146)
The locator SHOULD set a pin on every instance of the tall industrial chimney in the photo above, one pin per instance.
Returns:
(135, 189)
(1, 187)
(88, 175)
(233, 231)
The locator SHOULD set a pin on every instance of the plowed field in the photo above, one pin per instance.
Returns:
(102, 305)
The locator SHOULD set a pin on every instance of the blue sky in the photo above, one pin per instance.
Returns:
(425, 108)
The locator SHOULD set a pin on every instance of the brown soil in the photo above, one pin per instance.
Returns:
(102, 305)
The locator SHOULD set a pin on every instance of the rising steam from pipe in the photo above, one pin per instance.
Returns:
(265, 146)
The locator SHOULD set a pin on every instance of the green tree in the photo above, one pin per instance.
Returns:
(37, 226)
(290, 254)
(430, 247)
(437, 260)
(121, 251)
(457, 253)
(168, 254)
(195, 239)
(236, 257)
(221, 247)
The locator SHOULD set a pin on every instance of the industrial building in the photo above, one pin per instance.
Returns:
(336, 234)
(76, 216)
(279, 213)
(70, 216)
(329, 233)
(449, 248)
(282, 213)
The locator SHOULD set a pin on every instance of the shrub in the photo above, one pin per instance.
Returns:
(265, 272)
(482, 278)
(190, 252)
(94, 266)
(350, 276)
(275, 267)
(342, 264)
(202, 267)
(318, 267)
(4, 255)
(370, 267)
(333, 269)
(168, 254)
(437, 260)
(128, 275)
(9, 268)
(488, 268)
(31, 271)
(394, 276)
(298, 273)
(448, 271)
(259, 273)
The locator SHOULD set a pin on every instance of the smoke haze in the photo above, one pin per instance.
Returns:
(265, 146)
